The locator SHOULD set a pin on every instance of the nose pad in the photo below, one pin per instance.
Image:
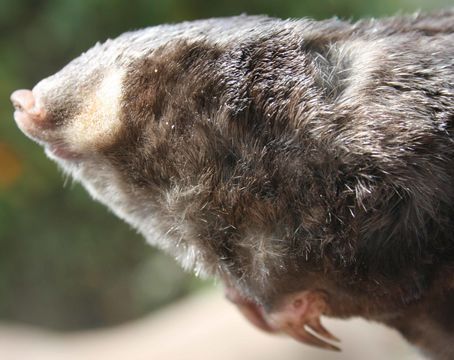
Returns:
(27, 109)
(23, 100)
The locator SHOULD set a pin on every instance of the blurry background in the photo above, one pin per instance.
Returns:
(65, 262)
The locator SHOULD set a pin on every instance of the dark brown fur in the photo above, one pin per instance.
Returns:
(372, 221)
(258, 170)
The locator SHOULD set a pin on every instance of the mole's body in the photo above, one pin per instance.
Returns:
(309, 165)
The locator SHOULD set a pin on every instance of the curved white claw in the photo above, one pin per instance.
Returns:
(302, 334)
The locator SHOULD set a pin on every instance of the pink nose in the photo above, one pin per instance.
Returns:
(23, 100)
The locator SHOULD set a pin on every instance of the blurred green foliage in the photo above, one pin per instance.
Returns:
(65, 262)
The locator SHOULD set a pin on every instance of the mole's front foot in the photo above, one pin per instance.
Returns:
(298, 316)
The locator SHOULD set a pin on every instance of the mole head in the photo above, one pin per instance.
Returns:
(93, 118)
(75, 111)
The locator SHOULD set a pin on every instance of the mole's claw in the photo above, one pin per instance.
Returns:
(301, 334)
(316, 326)
(251, 311)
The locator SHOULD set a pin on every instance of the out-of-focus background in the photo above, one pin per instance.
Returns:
(66, 263)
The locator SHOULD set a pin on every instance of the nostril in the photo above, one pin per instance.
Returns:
(23, 100)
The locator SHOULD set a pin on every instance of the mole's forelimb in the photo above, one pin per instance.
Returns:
(297, 315)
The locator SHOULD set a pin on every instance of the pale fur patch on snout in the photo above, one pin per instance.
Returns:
(365, 58)
(99, 121)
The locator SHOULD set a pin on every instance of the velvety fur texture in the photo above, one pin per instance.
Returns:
(279, 156)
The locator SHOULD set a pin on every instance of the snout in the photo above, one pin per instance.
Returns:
(25, 103)
(29, 115)
(23, 100)
(35, 122)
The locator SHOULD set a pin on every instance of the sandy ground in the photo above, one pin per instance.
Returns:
(202, 327)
